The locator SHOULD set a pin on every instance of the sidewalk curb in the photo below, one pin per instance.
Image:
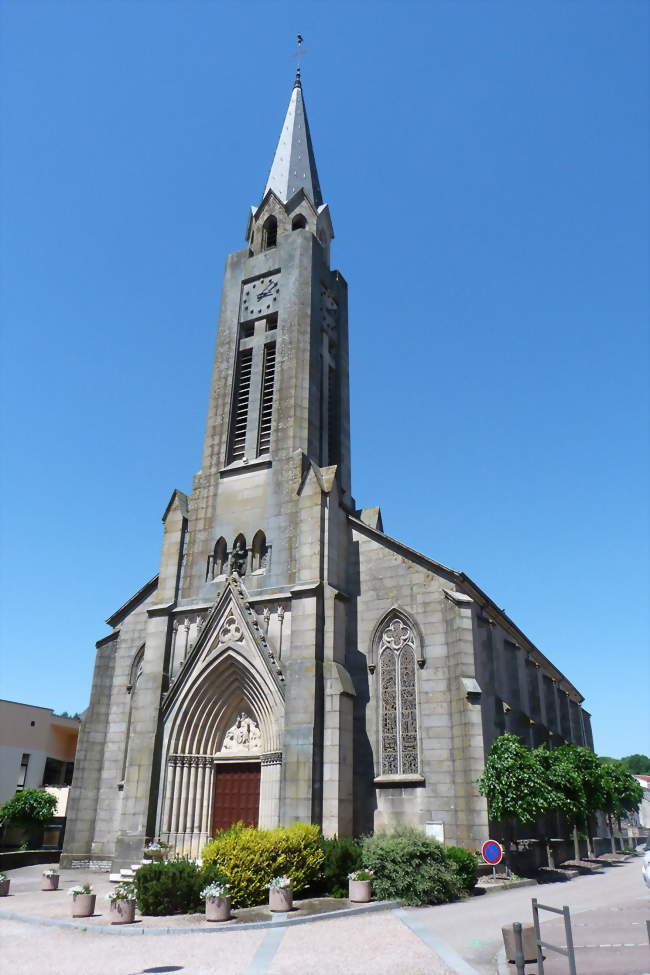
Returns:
(282, 921)
(506, 885)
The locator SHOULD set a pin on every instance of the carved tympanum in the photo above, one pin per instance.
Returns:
(244, 736)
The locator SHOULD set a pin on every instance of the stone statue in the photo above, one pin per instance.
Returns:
(238, 558)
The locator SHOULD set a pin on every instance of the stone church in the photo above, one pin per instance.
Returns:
(290, 660)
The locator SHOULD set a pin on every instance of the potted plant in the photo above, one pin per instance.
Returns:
(359, 886)
(83, 900)
(4, 884)
(122, 900)
(217, 902)
(280, 894)
(50, 879)
(156, 850)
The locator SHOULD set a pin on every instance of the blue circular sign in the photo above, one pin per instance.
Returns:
(492, 852)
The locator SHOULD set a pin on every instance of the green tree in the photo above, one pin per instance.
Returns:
(621, 794)
(589, 770)
(30, 809)
(637, 764)
(558, 770)
(514, 784)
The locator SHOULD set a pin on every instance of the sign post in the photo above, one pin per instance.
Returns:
(492, 853)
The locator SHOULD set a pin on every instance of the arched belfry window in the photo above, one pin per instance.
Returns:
(397, 653)
(220, 557)
(298, 222)
(269, 233)
(258, 551)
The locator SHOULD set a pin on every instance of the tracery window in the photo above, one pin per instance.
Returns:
(399, 733)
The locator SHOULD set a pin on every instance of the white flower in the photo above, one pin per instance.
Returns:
(123, 892)
(215, 890)
(80, 889)
(279, 883)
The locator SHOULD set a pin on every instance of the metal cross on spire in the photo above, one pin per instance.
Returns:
(298, 53)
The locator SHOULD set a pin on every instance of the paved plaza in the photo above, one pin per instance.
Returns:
(609, 912)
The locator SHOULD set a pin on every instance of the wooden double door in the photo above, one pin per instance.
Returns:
(236, 794)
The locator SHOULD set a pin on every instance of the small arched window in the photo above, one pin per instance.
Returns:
(219, 558)
(269, 233)
(298, 222)
(258, 551)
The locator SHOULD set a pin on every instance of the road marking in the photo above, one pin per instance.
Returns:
(445, 951)
(265, 954)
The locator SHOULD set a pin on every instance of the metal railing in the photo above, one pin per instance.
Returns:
(569, 951)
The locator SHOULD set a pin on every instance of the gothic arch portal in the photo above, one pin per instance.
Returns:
(230, 712)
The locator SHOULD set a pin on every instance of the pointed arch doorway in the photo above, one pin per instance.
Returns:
(236, 793)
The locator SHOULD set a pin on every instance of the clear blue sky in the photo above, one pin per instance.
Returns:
(486, 167)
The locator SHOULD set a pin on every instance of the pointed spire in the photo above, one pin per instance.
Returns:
(294, 166)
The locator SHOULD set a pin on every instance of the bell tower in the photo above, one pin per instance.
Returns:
(279, 395)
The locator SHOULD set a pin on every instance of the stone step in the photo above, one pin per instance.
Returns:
(115, 878)
(135, 866)
(126, 873)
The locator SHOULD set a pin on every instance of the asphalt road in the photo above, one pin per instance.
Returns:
(608, 910)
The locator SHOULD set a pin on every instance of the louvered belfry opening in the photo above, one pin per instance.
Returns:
(266, 403)
(332, 418)
(239, 420)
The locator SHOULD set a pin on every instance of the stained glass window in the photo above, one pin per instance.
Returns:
(399, 732)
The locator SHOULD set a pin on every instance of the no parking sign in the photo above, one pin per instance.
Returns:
(492, 852)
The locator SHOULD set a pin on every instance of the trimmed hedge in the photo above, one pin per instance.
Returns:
(249, 858)
(173, 887)
(410, 867)
(466, 863)
(342, 856)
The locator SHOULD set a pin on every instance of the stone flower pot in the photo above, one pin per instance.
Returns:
(359, 891)
(83, 905)
(50, 882)
(528, 939)
(4, 887)
(217, 908)
(122, 912)
(280, 899)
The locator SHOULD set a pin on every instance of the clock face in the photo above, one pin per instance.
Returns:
(329, 309)
(260, 296)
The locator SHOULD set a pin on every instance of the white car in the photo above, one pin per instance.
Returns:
(645, 869)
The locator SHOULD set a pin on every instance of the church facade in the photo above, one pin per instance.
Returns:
(290, 660)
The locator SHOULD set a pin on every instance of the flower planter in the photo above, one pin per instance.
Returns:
(4, 887)
(50, 882)
(280, 899)
(83, 905)
(359, 891)
(122, 912)
(217, 908)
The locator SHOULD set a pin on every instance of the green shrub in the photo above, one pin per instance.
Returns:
(410, 867)
(28, 809)
(249, 858)
(342, 856)
(466, 865)
(173, 887)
